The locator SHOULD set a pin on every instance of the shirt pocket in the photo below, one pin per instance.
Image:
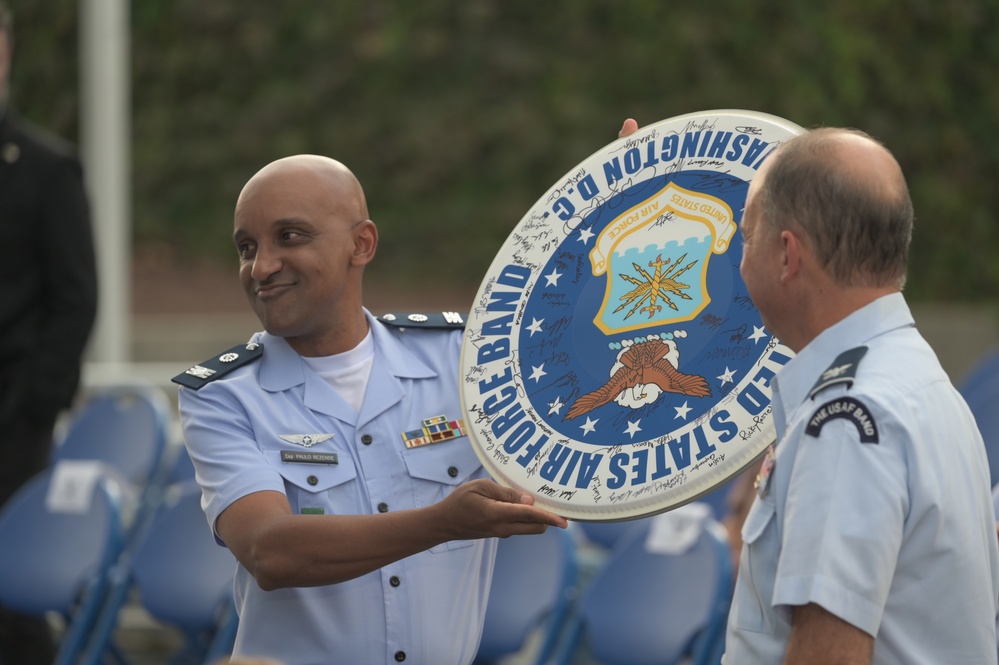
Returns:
(758, 564)
(324, 488)
(437, 469)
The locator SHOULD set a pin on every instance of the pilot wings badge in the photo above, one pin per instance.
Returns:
(305, 440)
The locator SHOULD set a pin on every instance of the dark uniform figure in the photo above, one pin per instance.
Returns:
(47, 307)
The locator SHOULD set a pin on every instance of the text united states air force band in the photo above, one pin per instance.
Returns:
(613, 364)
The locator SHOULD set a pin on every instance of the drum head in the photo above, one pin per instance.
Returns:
(613, 364)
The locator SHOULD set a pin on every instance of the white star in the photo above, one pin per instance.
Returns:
(758, 334)
(553, 277)
(633, 428)
(585, 234)
(535, 326)
(538, 372)
(681, 411)
(589, 426)
(556, 406)
(728, 376)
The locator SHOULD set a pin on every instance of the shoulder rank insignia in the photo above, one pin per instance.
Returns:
(432, 320)
(844, 407)
(217, 367)
(843, 370)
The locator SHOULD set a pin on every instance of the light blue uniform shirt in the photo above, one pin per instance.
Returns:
(428, 606)
(895, 537)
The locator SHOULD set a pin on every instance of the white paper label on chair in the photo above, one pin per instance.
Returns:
(676, 532)
(72, 486)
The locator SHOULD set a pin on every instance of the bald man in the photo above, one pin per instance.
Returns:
(872, 538)
(357, 541)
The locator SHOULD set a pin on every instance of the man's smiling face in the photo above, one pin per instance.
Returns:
(295, 235)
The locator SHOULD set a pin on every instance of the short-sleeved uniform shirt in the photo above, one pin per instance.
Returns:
(424, 609)
(878, 505)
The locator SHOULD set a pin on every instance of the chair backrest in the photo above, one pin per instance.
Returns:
(980, 389)
(718, 499)
(533, 586)
(183, 577)
(180, 577)
(647, 607)
(57, 560)
(181, 466)
(607, 534)
(124, 426)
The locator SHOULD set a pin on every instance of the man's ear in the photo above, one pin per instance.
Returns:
(365, 243)
(791, 255)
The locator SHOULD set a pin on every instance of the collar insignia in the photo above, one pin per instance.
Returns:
(842, 370)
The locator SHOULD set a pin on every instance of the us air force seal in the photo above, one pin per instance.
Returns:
(613, 365)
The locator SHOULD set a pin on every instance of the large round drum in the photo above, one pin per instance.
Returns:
(614, 365)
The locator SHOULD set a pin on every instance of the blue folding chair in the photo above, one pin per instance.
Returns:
(533, 587)
(181, 577)
(718, 500)
(606, 535)
(58, 560)
(181, 466)
(124, 426)
(980, 389)
(650, 608)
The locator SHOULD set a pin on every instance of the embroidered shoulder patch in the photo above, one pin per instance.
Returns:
(844, 407)
(431, 320)
(215, 368)
(842, 370)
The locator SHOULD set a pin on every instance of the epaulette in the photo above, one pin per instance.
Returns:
(843, 370)
(217, 367)
(451, 320)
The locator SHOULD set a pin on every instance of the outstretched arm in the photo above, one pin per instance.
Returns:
(281, 549)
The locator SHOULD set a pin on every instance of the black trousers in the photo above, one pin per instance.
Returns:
(25, 447)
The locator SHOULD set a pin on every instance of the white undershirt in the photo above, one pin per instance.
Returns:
(347, 372)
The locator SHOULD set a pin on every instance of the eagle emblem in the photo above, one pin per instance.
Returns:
(643, 372)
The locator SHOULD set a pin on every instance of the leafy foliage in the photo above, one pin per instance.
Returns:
(457, 116)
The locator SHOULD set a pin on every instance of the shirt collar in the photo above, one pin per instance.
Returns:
(281, 367)
(794, 381)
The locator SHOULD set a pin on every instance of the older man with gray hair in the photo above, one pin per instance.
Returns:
(872, 538)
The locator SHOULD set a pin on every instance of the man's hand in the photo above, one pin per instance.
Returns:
(484, 509)
(630, 126)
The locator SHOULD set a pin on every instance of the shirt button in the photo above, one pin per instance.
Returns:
(395, 581)
(452, 471)
(312, 480)
(400, 656)
(383, 507)
(366, 440)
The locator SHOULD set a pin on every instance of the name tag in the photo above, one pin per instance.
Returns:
(296, 457)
